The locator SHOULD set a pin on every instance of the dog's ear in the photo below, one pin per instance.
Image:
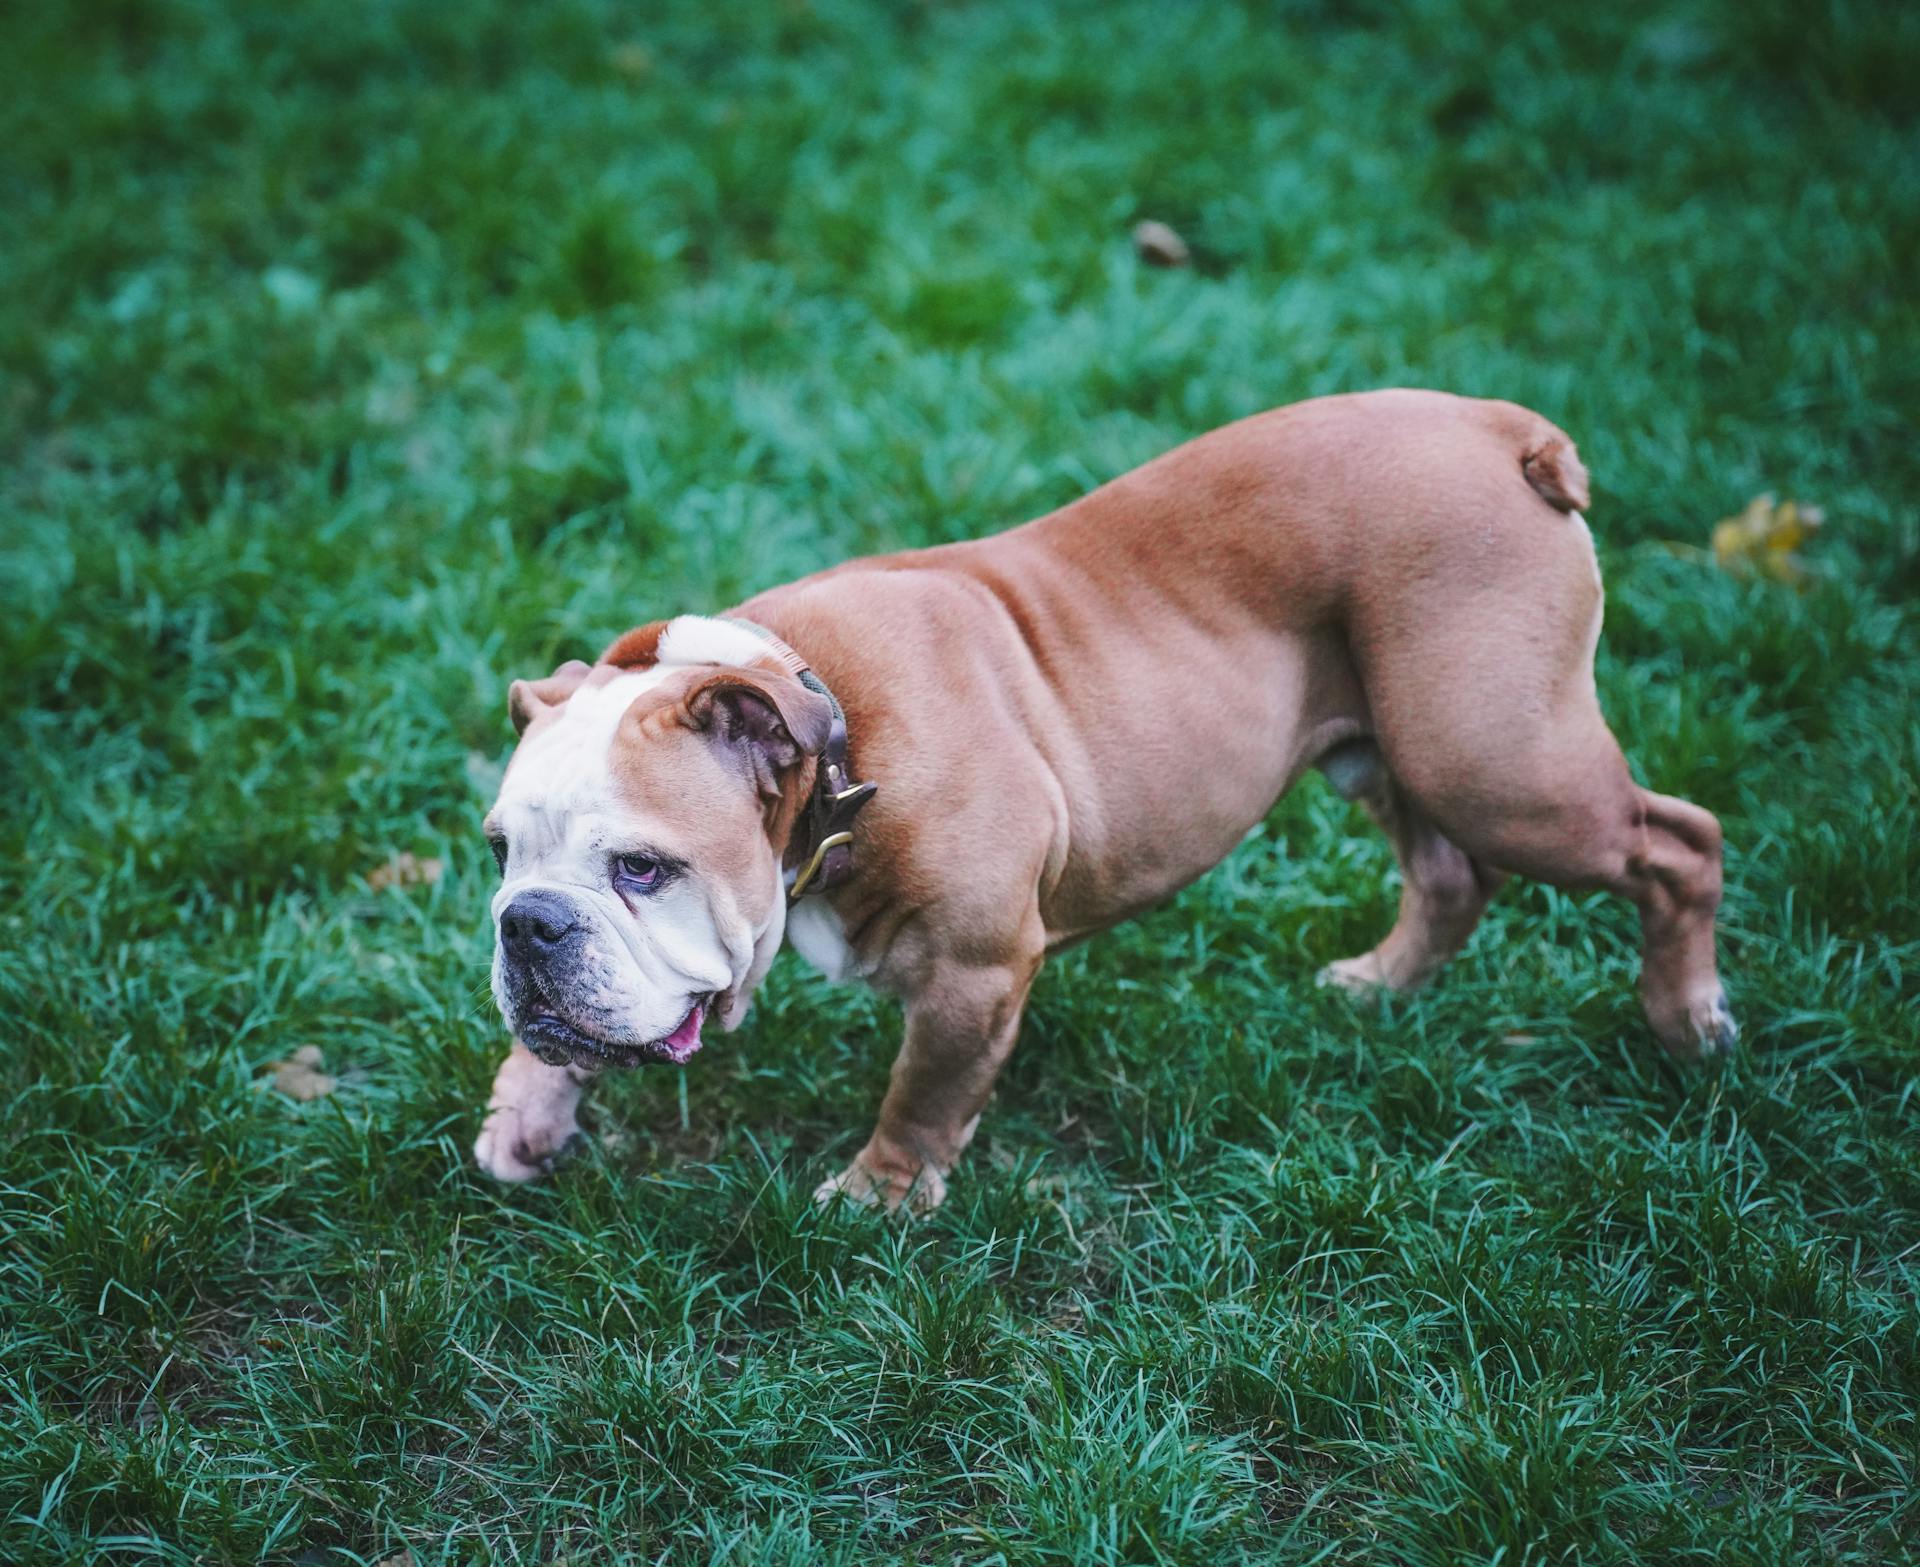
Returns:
(766, 720)
(528, 699)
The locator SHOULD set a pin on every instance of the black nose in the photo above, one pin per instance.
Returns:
(534, 923)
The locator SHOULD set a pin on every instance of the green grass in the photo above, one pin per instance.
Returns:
(358, 359)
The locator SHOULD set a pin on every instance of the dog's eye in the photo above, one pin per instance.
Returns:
(499, 847)
(638, 872)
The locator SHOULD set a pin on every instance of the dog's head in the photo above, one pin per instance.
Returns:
(639, 832)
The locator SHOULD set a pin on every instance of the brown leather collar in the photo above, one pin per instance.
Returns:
(823, 836)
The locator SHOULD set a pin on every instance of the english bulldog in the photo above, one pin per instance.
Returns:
(928, 770)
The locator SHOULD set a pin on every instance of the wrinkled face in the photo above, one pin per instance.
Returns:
(639, 889)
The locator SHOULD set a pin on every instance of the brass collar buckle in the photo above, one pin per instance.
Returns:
(829, 823)
(799, 887)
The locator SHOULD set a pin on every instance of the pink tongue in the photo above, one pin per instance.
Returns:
(684, 1040)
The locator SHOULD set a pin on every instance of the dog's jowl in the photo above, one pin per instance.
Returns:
(932, 768)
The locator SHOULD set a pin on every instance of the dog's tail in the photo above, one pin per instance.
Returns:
(1553, 467)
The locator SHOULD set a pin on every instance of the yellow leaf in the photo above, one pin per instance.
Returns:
(1762, 538)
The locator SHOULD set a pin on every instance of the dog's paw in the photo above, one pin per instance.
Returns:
(1698, 1031)
(1359, 976)
(514, 1147)
(1710, 1022)
(919, 1192)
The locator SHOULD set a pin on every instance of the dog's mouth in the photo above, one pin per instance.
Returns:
(558, 1043)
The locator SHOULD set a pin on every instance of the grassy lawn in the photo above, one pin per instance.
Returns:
(360, 358)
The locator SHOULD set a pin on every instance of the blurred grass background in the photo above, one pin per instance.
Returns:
(357, 359)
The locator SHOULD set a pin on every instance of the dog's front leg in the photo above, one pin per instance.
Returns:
(532, 1114)
(960, 1030)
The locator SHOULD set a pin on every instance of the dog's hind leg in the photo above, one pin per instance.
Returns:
(1476, 655)
(1549, 796)
(1590, 825)
(1443, 889)
(1674, 877)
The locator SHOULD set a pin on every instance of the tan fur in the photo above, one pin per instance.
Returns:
(1071, 720)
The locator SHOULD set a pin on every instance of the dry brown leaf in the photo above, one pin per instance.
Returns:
(1159, 246)
(300, 1077)
(405, 870)
(397, 1559)
(1763, 540)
